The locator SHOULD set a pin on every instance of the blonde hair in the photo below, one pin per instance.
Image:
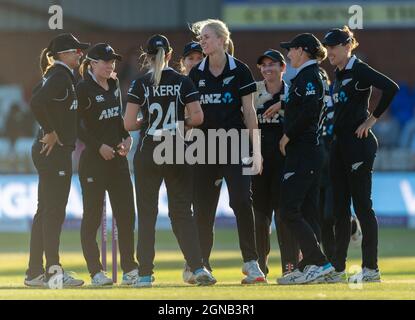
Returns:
(221, 30)
(84, 67)
(321, 54)
(46, 60)
(181, 67)
(353, 40)
(155, 62)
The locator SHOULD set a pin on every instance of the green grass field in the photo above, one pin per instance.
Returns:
(397, 264)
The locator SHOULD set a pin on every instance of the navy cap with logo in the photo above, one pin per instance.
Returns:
(65, 42)
(272, 54)
(307, 41)
(192, 47)
(103, 51)
(157, 41)
(335, 37)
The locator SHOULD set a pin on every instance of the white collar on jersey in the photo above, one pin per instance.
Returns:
(351, 62)
(306, 64)
(92, 75)
(63, 64)
(231, 60)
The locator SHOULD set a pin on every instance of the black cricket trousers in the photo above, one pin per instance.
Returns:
(208, 179)
(351, 166)
(97, 176)
(266, 189)
(300, 200)
(326, 218)
(179, 184)
(55, 173)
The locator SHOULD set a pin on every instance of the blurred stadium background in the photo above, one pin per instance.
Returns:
(386, 43)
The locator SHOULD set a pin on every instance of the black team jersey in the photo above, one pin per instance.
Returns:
(272, 128)
(100, 113)
(54, 104)
(221, 97)
(162, 106)
(303, 105)
(351, 93)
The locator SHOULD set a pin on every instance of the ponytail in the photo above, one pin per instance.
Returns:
(156, 63)
(353, 40)
(321, 54)
(158, 66)
(230, 47)
(180, 66)
(46, 61)
(84, 67)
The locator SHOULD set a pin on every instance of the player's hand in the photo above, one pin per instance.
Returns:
(257, 163)
(364, 128)
(139, 123)
(49, 140)
(124, 147)
(283, 143)
(272, 110)
(107, 152)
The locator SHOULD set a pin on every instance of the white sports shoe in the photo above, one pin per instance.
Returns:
(290, 278)
(332, 277)
(101, 280)
(253, 273)
(129, 278)
(69, 281)
(188, 276)
(39, 281)
(144, 282)
(313, 272)
(203, 277)
(366, 275)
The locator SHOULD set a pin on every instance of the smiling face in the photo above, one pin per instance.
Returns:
(191, 60)
(210, 41)
(339, 54)
(103, 69)
(271, 70)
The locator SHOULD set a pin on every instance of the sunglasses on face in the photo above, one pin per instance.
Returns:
(77, 51)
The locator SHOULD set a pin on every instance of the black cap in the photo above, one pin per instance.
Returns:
(103, 51)
(274, 55)
(307, 41)
(335, 37)
(157, 41)
(192, 47)
(66, 41)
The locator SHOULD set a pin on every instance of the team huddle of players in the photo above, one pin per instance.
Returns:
(312, 156)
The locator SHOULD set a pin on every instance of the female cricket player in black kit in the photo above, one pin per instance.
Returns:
(192, 55)
(54, 104)
(300, 185)
(354, 149)
(266, 187)
(103, 165)
(162, 95)
(226, 86)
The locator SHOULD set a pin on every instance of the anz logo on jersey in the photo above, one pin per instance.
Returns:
(110, 113)
(216, 98)
(263, 120)
(310, 90)
(340, 97)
